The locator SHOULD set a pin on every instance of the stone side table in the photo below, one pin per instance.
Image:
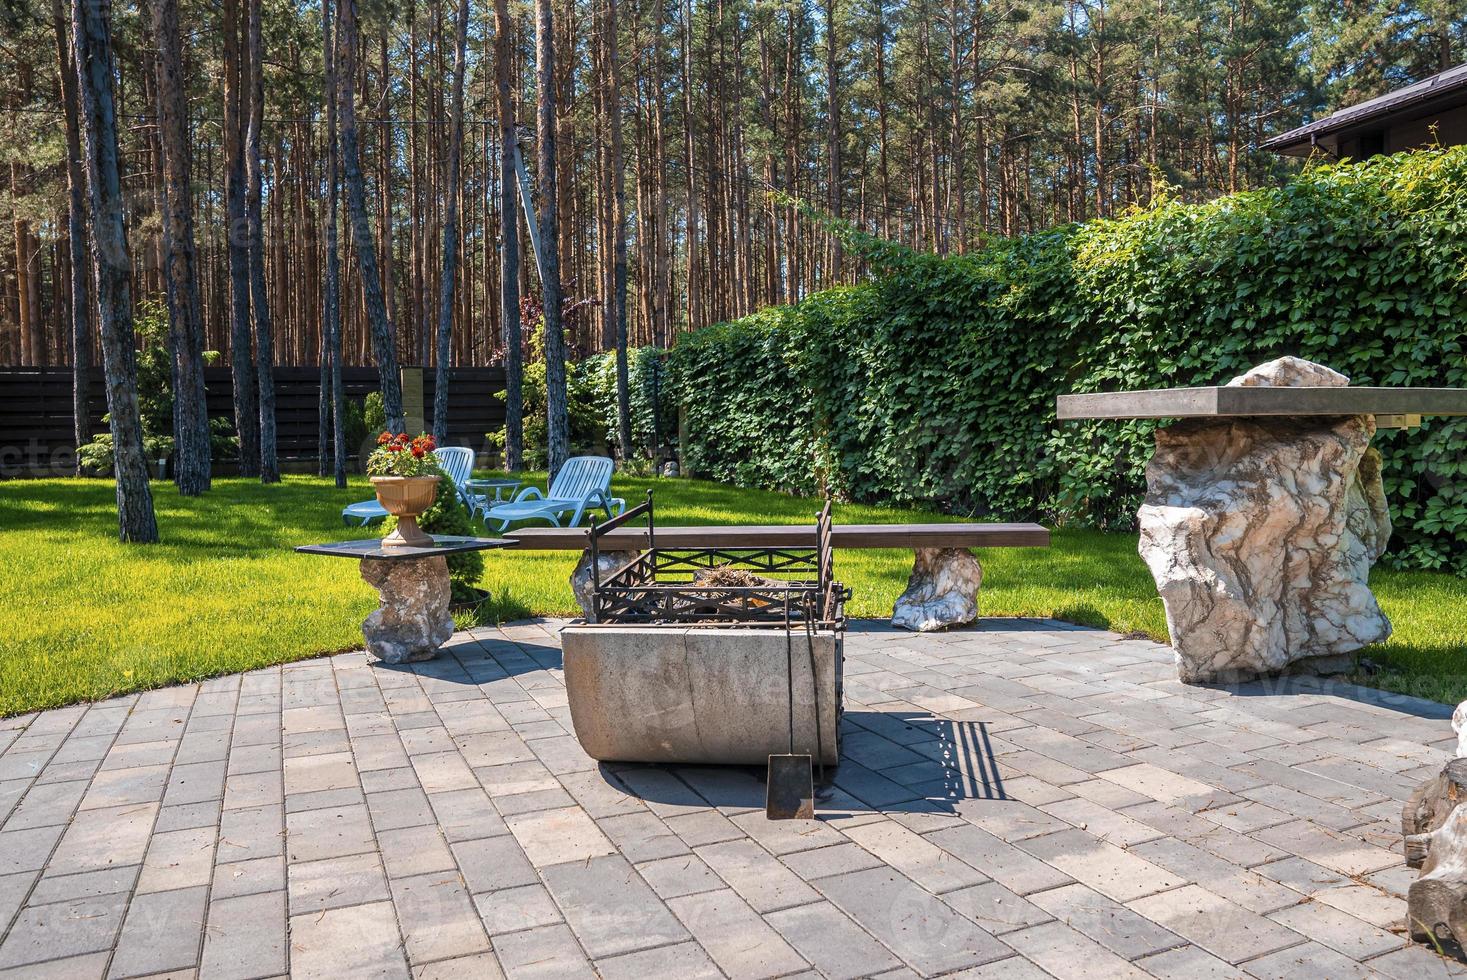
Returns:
(412, 620)
(1264, 512)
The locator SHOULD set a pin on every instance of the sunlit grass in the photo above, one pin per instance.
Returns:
(83, 616)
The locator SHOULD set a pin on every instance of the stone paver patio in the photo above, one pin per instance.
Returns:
(1027, 798)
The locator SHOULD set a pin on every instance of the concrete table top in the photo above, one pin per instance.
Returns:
(1391, 406)
(443, 544)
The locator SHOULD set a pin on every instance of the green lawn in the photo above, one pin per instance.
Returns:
(83, 617)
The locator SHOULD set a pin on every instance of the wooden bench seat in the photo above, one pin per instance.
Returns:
(790, 536)
(941, 592)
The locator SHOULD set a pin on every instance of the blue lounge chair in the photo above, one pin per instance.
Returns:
(457, 463)
(583, 482)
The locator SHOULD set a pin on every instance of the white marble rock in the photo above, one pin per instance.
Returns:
(412, 621)
(1260, 534)
(942, 590)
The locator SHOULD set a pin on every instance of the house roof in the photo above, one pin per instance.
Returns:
(1441, 91)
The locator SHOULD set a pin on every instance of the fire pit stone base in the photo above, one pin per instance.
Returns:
(700, 695)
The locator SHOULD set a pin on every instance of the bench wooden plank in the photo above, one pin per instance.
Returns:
(790, 536)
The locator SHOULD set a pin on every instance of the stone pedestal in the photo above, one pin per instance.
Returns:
(412, 621)
(942, 590)
(580, 580)
(1261, 531)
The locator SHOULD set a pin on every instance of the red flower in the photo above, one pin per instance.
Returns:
(384, 438)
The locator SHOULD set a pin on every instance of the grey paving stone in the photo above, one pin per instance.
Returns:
(89, 966)
(493, 863)
(1224, 929)
(927, 935)
(1341, 932)
(188, 816)
(921, 860)
(466, 814)
(437, 917)
(178, 859)
(642, 836)
(545, 799)
(1106, 868)
(738, 940)
(315, 834)
(831, 941)
(995, 909)
(479, 966)
(1107, 922)
(687, 961)
(27, 850)
(1064, 953)
(48, 932)
(162, 932)
(706, 827)
(1307, 962)
(400, 808)
(414, 851)
(610, 908)
(336, 882)
(117, 787)
(682, 875)
(53, 888)
(549, 952)
(46, 805)
(195, 782)
(248, 878)
(1245, 887)
(833, 860)
(1189, 963)
(516, 909)
(253, 833)
(557, 836)
(759, 878)
(103, 838)
(1014, 869)
(360, 940)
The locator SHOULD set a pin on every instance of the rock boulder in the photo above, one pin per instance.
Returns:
(1260, 533)
(412, 621)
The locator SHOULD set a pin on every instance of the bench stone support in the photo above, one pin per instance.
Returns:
(412, 621)
(580, 580)
(1260, 533)
(942, 590)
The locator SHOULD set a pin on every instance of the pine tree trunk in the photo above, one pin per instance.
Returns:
(509, 254)
(190, 409)
(384, 344)
(92, 47)
(76, 241)
(241, 353)
(331, 299)
(619, 237)
(259, 300)
(557, 423)
(450, 229)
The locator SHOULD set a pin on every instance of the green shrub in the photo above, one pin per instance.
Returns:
(654, 413)
(935, 382)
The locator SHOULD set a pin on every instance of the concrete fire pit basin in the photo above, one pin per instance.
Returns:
(699, 694)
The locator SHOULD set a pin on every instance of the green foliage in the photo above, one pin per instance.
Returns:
(936, 382)
(448, 515)
(587, 424)
(155, 400)
(374, 413)
(654, 413)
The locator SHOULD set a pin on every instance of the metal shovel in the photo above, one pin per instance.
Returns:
(790, 785)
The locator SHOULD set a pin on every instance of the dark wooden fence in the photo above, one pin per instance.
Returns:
(36, 423)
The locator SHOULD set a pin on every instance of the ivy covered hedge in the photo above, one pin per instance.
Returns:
(935, 382)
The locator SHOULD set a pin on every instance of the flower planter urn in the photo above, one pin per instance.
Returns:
(405, 497)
